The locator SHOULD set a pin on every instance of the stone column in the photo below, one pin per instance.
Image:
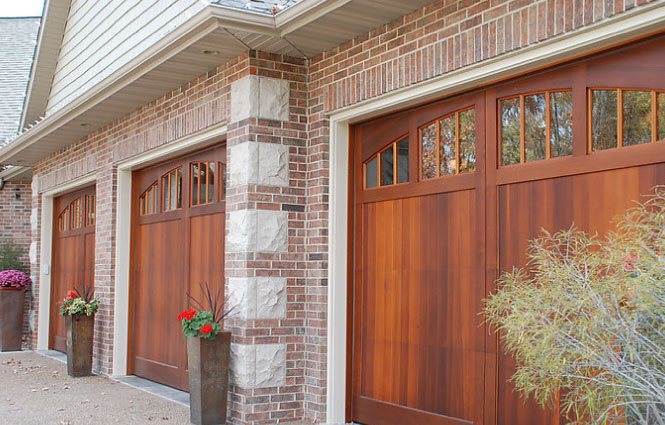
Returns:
(265, 216)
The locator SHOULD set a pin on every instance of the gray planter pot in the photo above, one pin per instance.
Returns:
(11, 319)
(208, 378)
(80, 332)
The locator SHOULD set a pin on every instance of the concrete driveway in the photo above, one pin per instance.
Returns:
(37, 390)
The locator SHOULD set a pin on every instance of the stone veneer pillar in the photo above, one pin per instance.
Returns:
(260, 256)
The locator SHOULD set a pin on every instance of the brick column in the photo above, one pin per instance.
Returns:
(264, 246)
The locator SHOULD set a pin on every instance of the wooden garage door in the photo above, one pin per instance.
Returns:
(419, 342)
(73, 255)
(577, 144)
(177, 246)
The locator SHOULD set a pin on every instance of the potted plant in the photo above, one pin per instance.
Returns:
(79, 311)
(208, 353)
(13, 284)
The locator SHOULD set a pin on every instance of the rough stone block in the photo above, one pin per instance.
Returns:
(32, 253)
(270, 365)
(241, 293)
(259, 163)
(270, 297)
(258, 366)
(273, 165)
(259, 97)
(243, 164)
(244, 98)
(257, 231)
(243, 365)
(272, 231)
(273, 99)
(34, 219)
(257, 297)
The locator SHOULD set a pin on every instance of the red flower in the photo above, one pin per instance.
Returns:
(71, 295)
(206, 329)
(187, 315)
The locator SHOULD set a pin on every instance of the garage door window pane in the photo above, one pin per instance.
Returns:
(428, 151)
(172, 187)
(403, 161)
(535, 133)
(371, 173)
(603, 119)
(387, 166)
(510, 131)
(467, 141)
(561, 123)
(448, 143)
(195, 179)
(210, 183)
(637, 112)
(203, 183)
(148, 201)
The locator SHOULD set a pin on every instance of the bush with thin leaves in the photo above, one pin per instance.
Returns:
(586, 319)
(11, 255)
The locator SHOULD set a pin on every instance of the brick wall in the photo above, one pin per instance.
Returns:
(437, 39)
(15, 226)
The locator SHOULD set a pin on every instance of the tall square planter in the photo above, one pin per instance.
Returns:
(80, 332)
(11, 318)
(208, 362)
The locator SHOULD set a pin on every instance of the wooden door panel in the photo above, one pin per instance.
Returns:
(73, 255)
(206, 254)
(66, 271)
(157, 302)
(589, 201)
(421, 340)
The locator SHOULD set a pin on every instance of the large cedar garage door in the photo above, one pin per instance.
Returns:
(177, 246)
(73, 255)
(448, 195)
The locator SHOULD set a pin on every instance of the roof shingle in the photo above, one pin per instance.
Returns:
(18, 37)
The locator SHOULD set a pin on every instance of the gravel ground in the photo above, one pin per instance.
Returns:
(37, 390)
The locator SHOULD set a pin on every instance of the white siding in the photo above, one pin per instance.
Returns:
(102, 36)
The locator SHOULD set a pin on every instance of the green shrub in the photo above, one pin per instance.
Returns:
(586, 319)
(10, 256)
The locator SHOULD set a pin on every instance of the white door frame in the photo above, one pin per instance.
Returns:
(46, 254)
(631, 25)
(124, 227)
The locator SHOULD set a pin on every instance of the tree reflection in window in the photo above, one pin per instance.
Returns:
(536, 126)
(637, 112)
(561, 123)
(388, 167)
(450, 148)
(625, 117)
(202, 179)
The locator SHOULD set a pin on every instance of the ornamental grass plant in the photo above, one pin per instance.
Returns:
(585, 319)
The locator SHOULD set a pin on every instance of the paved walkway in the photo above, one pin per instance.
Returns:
(37, 390)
